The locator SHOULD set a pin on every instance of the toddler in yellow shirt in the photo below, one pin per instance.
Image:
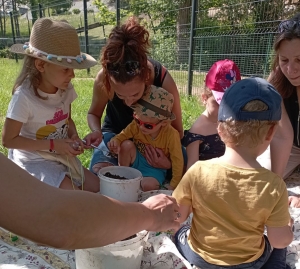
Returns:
(151, 126)
(233, 197)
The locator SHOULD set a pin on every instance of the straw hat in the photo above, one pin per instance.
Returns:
(155, 103)
(55, 42)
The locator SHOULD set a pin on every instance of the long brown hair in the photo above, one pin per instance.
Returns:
(29, 72)
(127, 42)
(277, 78)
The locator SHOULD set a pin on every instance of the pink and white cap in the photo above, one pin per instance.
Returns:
(221, 76)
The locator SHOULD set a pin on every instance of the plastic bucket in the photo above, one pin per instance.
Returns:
(123, 254)
(126, 190)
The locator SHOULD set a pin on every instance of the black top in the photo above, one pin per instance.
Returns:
(211, 147)
(118, 114)
(292, 109)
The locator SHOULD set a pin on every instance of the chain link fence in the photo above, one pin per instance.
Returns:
(187, 36)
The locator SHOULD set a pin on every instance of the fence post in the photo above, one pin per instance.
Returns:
(13, 32)
(86, 30)
(40, 10)
(192, 35)
(118, 12)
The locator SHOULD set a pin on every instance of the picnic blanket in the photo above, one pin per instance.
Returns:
(159, 253)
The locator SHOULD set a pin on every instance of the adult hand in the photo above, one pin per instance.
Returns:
(94, 138)
(165, 212)
(294, 201)
(156, 158)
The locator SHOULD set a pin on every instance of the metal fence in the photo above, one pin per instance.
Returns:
(187, 36)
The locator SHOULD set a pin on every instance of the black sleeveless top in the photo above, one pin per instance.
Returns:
(292, 109)
(118, 114)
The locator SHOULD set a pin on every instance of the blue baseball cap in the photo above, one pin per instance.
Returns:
(244, 91)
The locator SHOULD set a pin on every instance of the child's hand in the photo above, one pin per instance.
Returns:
(114, 146)
(65, 147)
(77, 144)
(294, 201)
(169, 187)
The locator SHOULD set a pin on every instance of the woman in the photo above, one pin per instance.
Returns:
(125, 73)
(285, 76)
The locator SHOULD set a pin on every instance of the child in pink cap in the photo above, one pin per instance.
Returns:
(202, 141)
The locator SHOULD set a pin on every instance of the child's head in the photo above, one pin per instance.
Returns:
(249, 111)
(220, 76)
(53, 45)
(154, 109)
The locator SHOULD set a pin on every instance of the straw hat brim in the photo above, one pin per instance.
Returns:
(87, 63)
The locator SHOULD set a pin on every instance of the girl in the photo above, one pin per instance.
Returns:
(126, 72)
(202, 140)
(38, 129)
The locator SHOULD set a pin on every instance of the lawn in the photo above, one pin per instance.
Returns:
(83, 84)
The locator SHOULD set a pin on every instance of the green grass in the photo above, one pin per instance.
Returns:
(83, 84)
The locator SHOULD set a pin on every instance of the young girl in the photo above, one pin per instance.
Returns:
(202, 140)
(38, 129)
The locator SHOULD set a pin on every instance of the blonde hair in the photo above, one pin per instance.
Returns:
(251, 132)
(30, 72)
(205, 91)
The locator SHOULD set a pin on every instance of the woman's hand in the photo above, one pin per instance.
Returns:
(165, 212)
(156, 158)
(94, 138)
(294, 201)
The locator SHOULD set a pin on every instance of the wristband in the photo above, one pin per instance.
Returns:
(51, 145)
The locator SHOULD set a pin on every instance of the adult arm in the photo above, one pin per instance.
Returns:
(170, 86)
(281, 144)
(74, 219)
(99, 101)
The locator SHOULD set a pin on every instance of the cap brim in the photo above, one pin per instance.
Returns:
(87, 63)
(218, 96)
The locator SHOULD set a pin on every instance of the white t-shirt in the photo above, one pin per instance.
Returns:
(42, 119)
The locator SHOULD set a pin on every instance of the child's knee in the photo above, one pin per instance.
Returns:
(127, 145)
(149, 184)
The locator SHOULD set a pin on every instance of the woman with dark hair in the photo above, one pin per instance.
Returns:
(285, 77)
(126, 72)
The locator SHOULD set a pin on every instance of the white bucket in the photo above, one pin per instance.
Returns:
(126, 190)
(123, 254)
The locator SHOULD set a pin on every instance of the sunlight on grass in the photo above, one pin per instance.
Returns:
(83, 84)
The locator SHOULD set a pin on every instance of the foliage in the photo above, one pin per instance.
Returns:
(76, 11)
(105, 16)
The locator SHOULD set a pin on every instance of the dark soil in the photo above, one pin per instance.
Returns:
(130, 237)
(108, 174)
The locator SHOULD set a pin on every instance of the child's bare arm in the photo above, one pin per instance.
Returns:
(184, 211)
(192, 151)
(280, 237)
(12, 139)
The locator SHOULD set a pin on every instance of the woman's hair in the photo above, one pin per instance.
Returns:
(127, 42)
(251, 132)
(277, 78)
(29, 72)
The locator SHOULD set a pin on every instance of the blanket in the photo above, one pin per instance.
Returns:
(159, 253)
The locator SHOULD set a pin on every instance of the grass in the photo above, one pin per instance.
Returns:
(83, 84)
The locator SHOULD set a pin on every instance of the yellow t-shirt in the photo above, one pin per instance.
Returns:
(230, 207)
(168, 141)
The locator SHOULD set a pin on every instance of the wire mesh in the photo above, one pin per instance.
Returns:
(240, 30)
